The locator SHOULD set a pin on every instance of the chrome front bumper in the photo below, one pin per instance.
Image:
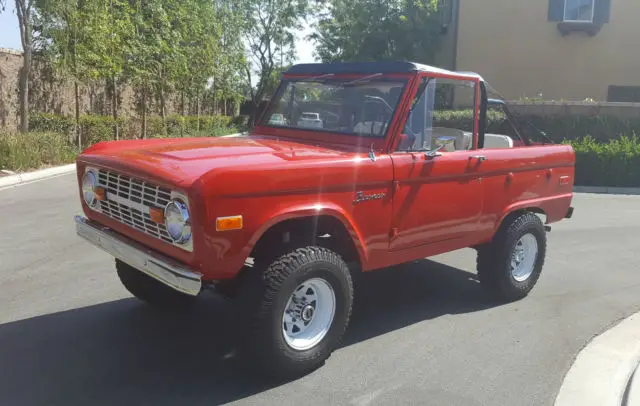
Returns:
(156, 265)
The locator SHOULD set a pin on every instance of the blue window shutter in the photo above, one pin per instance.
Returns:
(556, 10)
(602, 11)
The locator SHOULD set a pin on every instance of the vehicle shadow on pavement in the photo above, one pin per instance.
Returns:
(126, 353)
(397, 297)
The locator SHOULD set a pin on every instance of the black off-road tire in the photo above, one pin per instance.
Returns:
(494, 258)
(150, 290)
(262, 299)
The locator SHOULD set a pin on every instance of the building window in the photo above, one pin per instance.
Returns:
(579, 10)
(446, 12)
(624, 94)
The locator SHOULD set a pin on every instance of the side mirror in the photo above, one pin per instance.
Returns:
(433, 153)
(446, 142)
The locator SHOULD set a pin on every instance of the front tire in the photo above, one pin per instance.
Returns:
(150, 290)
(298, 311)
(510, 265)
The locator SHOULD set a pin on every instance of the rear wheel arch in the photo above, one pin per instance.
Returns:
(508, 215)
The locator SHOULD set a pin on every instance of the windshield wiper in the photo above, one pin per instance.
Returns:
(362, 79)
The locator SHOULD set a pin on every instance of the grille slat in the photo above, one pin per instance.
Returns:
(136, 191)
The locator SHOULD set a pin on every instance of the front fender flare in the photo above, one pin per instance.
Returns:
(314, 210)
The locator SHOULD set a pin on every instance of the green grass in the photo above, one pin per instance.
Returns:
(22, 152)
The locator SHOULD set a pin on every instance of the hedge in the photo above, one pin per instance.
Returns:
(52, 140)
(558, 128)
(616, 163)
(94, 128)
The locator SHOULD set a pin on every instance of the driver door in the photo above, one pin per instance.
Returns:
(438, 194)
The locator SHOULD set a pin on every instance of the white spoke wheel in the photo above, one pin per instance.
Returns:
(509, 266)
(298, 309)
(308, 314)
(523, 257)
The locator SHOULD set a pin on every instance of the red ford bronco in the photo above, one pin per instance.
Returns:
(351, 167)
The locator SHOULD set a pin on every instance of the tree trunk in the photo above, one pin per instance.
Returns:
(76, 89)
(104, 98)
(144, 113)
(215, 107)
(23, 10)
(198, 111)
(163, 110)
(114, 108)
(24, 91)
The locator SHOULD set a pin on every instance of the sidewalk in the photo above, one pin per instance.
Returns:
(603, 372)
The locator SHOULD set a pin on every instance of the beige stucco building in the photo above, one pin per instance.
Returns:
(554, 49)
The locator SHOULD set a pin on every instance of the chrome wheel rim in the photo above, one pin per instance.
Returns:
(308, 314)
(523, 257)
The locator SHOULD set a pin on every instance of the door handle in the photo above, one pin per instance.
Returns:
(479, 157)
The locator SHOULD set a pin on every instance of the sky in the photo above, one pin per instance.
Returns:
(10, 35)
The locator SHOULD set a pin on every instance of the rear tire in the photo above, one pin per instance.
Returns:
(150, 290)
(297, 311)
(510, 265)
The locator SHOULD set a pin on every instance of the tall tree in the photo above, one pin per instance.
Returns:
(270, 27)
(24, 10)
(89, 41)
(377, 29)
(197, 49)
(62, 25)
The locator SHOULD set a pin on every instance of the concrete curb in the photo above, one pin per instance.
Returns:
(602, 371)
(28, 177)
(607, 190)
(632, 396)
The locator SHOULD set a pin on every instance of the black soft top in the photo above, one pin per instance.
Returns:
(369, 68)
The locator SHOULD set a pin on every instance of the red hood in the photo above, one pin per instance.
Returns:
(181, 161)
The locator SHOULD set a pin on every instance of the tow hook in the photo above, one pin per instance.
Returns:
(547, 229)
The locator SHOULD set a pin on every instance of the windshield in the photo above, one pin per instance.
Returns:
(362, 107)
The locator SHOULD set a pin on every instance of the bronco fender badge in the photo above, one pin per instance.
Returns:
(361, 197)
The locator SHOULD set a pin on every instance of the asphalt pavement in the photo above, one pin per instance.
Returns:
(422, 333)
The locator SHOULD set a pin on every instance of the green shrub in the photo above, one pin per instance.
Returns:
(52, 140)
(51, 123)
(601, 128)
(95, 128)
(616, 163)
(557, 128)
(20, 152)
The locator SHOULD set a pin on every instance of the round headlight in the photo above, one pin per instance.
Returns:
(176, 216)
(89, 183)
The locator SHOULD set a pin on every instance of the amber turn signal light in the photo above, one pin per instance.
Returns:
(229, 223)
(156, 214)
(100, 193)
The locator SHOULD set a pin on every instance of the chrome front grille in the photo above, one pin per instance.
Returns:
(133, 189)
(128, 201)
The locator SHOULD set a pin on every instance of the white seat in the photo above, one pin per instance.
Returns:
(497, 141)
